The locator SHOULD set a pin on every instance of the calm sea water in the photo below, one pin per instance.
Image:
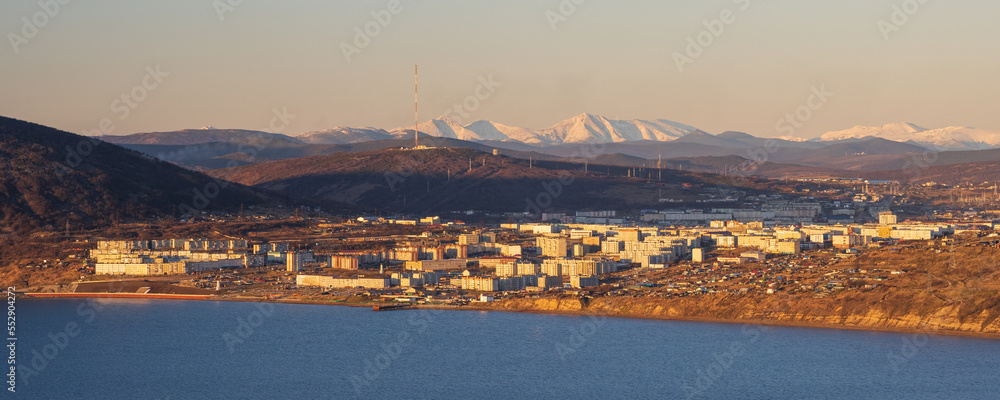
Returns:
(114, 349)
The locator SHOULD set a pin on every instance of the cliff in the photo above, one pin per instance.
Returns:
(975, 314)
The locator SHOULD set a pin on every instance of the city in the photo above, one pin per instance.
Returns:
(663, 254)
(554, 199)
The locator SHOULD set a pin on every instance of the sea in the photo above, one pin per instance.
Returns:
(168, 349)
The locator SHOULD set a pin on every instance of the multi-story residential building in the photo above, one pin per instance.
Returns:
(456, 251)
(630, 235)
(468, 238)
(344, 262)
(549, 282)
(789, 247)
(293, 261)
(408, 279)
(579, 281)
(517, 268)
(612, 246)
(478, 283)
(437, 265)
(334, 282)
(578, 267)
(552, 247)
(887, 218)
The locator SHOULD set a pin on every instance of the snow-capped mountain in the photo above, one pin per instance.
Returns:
(505, 132)
(590, 128)
(899, 132)
(448, 128)
(344, 135)
(583, 128)
(950, 138)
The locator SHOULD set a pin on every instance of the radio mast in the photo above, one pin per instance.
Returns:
(416, 108)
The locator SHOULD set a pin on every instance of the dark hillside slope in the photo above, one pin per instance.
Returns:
(49, 177)
(456, 179)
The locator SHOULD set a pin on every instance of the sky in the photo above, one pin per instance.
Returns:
(718, 65)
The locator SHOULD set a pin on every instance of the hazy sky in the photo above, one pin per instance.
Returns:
(939, 66)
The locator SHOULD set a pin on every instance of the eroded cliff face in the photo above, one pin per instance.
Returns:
(976, 314)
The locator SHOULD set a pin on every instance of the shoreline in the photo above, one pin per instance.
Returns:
(760, 322)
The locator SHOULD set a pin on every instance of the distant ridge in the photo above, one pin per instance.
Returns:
(950, 138)
(200, 136)
(579, 129)
(583, 128)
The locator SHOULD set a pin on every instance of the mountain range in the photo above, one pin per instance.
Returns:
(944, 139)
(596, 139)
(50, 178)
(581, 129)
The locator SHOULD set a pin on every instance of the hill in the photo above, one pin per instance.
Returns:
(456, 179)
(954, 174)
(344, 135)
(201, 136)
(49, 177)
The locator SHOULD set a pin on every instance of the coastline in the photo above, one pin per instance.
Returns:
(499, 307)
(760, 322)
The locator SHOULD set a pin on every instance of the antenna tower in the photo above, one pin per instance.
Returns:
(416, 107)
